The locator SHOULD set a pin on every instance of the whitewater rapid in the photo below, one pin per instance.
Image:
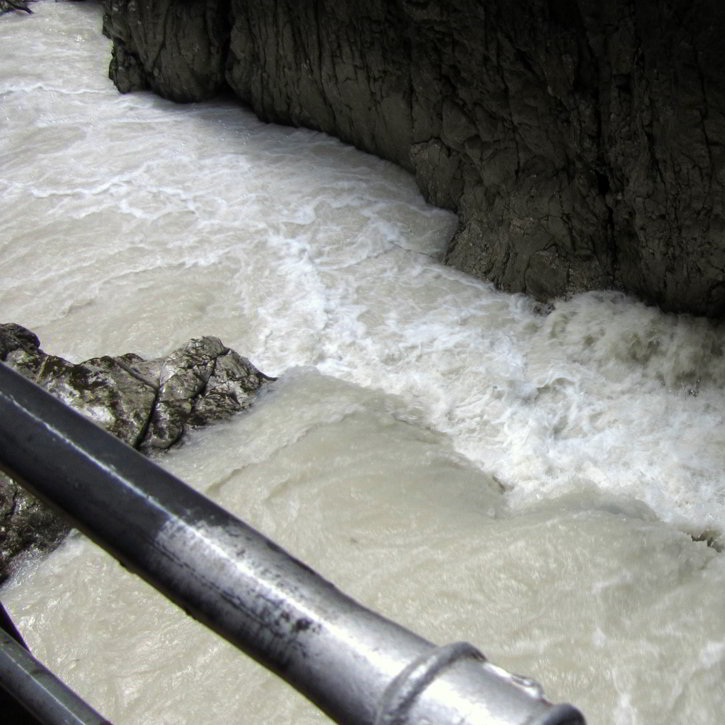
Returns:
(467, 462)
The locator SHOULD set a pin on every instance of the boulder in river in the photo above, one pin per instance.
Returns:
(148, 404)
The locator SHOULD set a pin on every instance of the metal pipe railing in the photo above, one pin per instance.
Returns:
(39, 691)
(358, 667)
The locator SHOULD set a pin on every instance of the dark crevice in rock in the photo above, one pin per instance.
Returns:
(148, 404)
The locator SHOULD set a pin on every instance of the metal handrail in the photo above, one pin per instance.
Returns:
(38, 690)
(358, 667)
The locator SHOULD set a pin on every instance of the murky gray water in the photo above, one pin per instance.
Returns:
(409, 395)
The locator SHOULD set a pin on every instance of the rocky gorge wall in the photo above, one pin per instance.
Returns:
(581, 143)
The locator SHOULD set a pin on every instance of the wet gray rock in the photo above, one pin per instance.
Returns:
(148, 404)
(177, 49)
(26, 525)
(198, 384)
(581, 143)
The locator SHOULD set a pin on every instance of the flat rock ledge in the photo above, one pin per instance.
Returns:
(148, 404)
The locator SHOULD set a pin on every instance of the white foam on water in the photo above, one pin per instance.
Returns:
(410, 394)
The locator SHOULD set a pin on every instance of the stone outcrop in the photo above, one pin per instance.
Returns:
(148, 404)
(183, 46)
(8, 6)
(582, 143)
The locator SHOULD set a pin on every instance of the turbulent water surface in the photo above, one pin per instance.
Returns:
(531, 480)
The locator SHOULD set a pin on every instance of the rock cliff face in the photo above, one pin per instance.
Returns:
(148, 404)
(582, 143)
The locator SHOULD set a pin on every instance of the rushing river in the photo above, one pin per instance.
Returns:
(468, 463)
